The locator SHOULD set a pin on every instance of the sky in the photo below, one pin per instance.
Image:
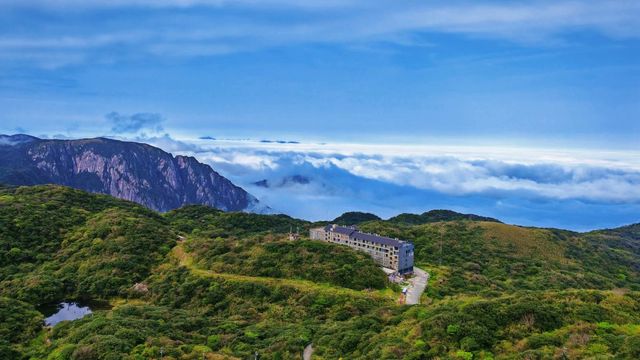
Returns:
(528, 110)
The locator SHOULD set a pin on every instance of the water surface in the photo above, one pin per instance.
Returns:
(69, 310)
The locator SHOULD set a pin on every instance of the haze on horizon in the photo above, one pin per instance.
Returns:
(524, 77)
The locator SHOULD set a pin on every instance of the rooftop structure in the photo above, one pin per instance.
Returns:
(388, 252)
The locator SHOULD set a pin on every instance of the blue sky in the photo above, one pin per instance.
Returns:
(514, 74)
(547, 71)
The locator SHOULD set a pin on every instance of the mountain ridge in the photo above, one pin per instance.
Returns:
(127, 170)
(437, 215)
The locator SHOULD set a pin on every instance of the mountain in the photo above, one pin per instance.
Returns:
(197, 282)
(127, 170)
(436, 216)
(355, 218)
(624, 240)
(262, 183)
(284, 182)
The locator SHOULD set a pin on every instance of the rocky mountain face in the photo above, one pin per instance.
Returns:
(127, 170)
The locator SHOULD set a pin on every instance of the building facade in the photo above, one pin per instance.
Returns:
(391, 253)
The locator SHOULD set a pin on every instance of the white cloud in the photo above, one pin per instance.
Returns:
(457, 176)
(585, 175)
(224, 27)
(528, 20)
(543, 187)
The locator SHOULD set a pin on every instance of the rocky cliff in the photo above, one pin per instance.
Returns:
(127, 170)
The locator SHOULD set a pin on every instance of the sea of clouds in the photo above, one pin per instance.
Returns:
(575, 189)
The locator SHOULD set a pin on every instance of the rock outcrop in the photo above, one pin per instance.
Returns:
(127, 170)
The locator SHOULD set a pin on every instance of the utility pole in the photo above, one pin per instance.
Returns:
(440, 260)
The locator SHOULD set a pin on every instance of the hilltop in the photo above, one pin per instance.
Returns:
(225, 285)
(436, 216)
(431, 216)
(355, 218)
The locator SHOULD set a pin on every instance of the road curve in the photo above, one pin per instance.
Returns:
(308, 351)
(418, 283)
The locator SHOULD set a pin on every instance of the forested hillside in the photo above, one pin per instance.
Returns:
(491, 258)
(354, 218)
(227, 285)
(59, 243)
(436, 216)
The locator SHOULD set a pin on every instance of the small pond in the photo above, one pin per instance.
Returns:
(69, 310)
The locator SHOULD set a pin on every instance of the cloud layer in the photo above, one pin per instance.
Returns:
(579, 190)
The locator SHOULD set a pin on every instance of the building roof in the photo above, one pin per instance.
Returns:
(378, 239)
(341, 229)
(354, 233)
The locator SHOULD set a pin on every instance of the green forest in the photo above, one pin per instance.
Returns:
(200, 283)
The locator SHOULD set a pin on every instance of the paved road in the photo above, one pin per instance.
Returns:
(418, 284)
(308, 351)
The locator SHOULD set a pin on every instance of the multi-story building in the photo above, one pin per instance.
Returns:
(390, 253)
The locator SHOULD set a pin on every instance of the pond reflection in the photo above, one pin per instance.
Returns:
(69, 310)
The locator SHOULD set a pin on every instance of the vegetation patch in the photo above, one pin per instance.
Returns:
(197, 282)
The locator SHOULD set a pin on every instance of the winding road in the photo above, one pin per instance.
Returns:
(308, 351)
(418, 284)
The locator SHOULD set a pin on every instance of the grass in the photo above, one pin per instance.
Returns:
(119, 302)
(186, 260)
(523, 241)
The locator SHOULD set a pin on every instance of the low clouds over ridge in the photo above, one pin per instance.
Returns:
(530, 187)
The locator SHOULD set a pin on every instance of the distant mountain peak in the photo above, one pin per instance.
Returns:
(355, 218)
(128, 170)
(438, 215)
(262, 183)
(284, 182)
(295, 179)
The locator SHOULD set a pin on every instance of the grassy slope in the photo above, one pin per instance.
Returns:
(492, 258)
(187, 260)
(257, 245)
(498, 290)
